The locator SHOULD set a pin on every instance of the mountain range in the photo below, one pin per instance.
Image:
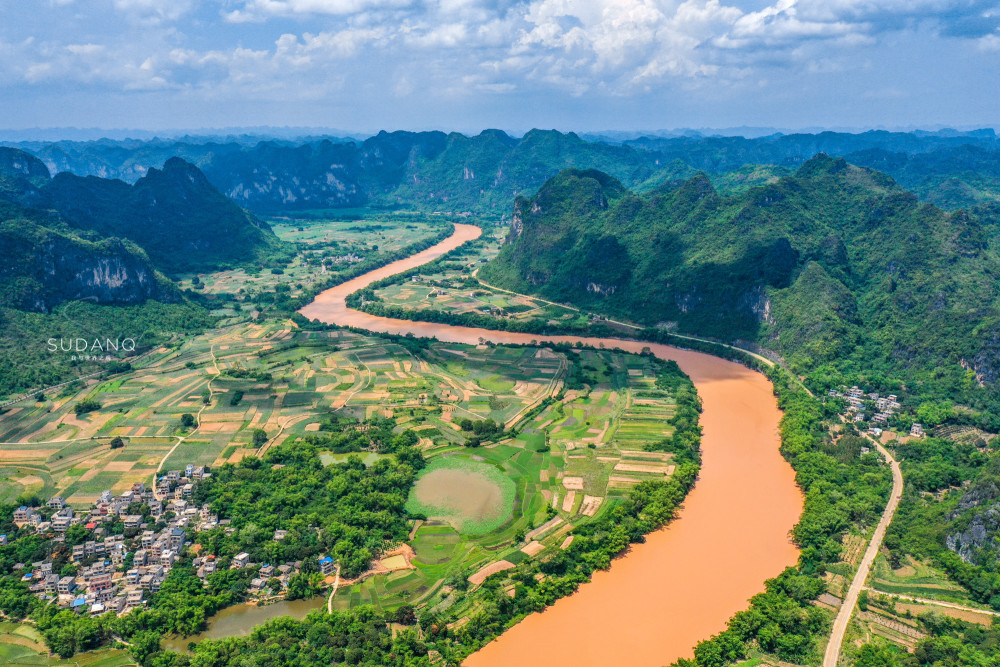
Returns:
(835, 267)
(481, 174)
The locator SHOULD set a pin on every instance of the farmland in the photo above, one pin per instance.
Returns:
(571, 431)
(325, 246)
(566, 457)
(452, 287)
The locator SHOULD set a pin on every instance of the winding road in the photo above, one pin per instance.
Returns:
(843, 619)
(684, 583)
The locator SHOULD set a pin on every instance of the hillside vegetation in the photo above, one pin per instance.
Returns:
(835, 267)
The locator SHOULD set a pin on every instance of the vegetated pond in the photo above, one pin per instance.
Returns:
(241, 619)
(367, 458)
(682, 585)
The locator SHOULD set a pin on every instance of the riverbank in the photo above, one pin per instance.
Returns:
(655, 603)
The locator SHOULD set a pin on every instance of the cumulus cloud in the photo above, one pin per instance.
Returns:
(495, 47)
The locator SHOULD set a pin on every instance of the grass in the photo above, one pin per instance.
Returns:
(470, 524)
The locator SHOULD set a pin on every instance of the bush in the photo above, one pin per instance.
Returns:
(85, 406)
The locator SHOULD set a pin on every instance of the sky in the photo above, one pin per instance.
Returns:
(465, 65)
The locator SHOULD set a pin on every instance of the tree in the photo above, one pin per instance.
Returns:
(259, 437)
(187, 420)
(405, 615)
(85, 406)
(117, 443)
(145, 644)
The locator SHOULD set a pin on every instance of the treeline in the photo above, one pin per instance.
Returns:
(476, 320)
(685, 441)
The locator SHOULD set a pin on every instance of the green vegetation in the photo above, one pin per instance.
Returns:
(446, 503)
(836, 268)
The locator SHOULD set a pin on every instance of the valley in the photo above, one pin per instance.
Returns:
(455, 441)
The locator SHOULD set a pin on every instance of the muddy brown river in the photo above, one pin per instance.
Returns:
(682, 585)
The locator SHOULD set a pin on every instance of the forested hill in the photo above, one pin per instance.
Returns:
(455, 172)
(44, 262)
(174, 214)
(836, 267)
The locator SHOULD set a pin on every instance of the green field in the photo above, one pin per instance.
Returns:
(461, 479)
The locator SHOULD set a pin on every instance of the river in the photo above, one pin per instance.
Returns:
(682, 585)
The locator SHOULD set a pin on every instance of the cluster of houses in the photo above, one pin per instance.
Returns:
(101, 581)
(104, 578)
(884, 408)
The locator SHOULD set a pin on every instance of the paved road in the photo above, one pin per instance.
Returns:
(861, 576)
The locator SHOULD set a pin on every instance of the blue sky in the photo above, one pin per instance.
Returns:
(364, 65)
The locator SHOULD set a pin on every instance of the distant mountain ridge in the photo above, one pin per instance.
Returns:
(454, 172)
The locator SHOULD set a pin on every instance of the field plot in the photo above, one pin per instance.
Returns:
(565, 461)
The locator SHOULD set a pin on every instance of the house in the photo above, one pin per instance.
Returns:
(61, 524)
(241, 560)
(133, 598)
(267, 571)
(51, 582)
(257, 584)
(22, 514)
(66, 585)
(56, 502)
(176, 539)
(916, 430)
(326, 565)
(279, 535)
(100, 581)
(132, 521)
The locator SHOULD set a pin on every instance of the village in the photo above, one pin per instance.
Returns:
(882, 409)
(134, 541)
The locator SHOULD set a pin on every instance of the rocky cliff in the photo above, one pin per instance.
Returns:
(40, 268)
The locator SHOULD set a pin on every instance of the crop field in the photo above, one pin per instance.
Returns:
(21, 644)
(566, 456)
(324, 247)
(473, 496)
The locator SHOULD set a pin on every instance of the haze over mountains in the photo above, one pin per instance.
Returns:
(482, 173)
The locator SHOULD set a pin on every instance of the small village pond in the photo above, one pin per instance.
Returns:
(241, 619)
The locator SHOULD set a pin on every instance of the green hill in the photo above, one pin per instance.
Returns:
(63, 282)
(835, 267)
(174, 214)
